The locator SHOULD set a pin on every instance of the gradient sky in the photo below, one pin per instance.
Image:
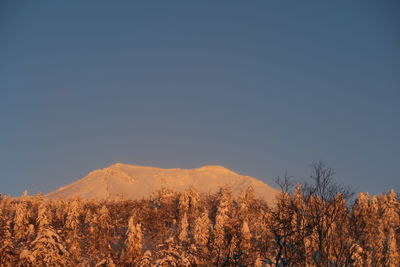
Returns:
(261, 88)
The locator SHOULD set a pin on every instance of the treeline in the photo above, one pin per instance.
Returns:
(308, 225)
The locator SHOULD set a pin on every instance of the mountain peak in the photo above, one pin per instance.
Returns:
(213, 168)
(117, 164)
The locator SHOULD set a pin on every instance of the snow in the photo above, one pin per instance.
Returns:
(136, 182)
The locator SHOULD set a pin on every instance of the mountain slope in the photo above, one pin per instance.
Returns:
(134, 182)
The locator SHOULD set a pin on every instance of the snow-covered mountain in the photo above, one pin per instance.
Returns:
(134, 182)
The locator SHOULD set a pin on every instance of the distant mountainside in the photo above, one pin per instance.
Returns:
(135, 182)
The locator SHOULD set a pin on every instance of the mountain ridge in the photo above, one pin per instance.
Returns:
(136, 182)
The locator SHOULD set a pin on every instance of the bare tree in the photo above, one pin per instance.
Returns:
(304, 217)
(324, 199)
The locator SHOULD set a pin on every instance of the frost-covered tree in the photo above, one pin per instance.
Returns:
(363, 221)
(194, 200)
(183, 228)
(42, 219)
(171, 253)
(91, 235)
(392, 254)
(7, 248)
(356, 256)
(48, 249)
(105, 231)
(303, 227)
(183, 202)
(146, 260)
(72, 225)
(61, 208)
(194, 206)
(375, 233)
(202, 232)
(106, 262)
(133, 242)
(73, 213)
(390, 207)
(26, 259)
(244, 201)
(221, 220)
(245, 240)
(182, 220)
(21, 220)
(104, 219)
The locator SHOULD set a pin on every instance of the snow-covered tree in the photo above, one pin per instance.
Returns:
(105, 231)
(245, 238)
(145, 261)
(21, 220)
(392, 254)
(133, 242)
(244, 201)
(374, 234)
(169, 254)
(104, 219)
(106, 262)
(91, 235)
(202, 231)
(42, 219)
(221, 220)
(48, 249)
(356, 256)
(182, 220)
(7, 248)
(26, 259)
(183, 202)
(390, 207)
(183, 228)
(194, 200)
(73, 224)
(302, 228)
(73, 213)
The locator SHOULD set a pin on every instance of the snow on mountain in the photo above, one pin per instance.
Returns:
(135, 182)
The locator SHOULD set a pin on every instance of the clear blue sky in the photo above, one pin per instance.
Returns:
(260, 87)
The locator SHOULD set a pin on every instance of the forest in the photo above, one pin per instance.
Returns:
(310, 224)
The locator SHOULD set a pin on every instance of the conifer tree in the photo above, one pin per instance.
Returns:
(182, 220)
(106, 262)
(202, 233)
(42, 219)
(183, 202)
(21, 220)
(7, 249)
(145, 261)
(302, 228)
(356, 256)
(91, 235)
(183, 229)
(245, 237)
(133, 243)
(73, 228)
(221, 218)
(48, 249)
(375, 233)
(390, 206)
(72, 222)
(392, 254)
(169, 253)
(105, 231)
(194, 199)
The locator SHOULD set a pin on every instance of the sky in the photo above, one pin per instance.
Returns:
(261, 87)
